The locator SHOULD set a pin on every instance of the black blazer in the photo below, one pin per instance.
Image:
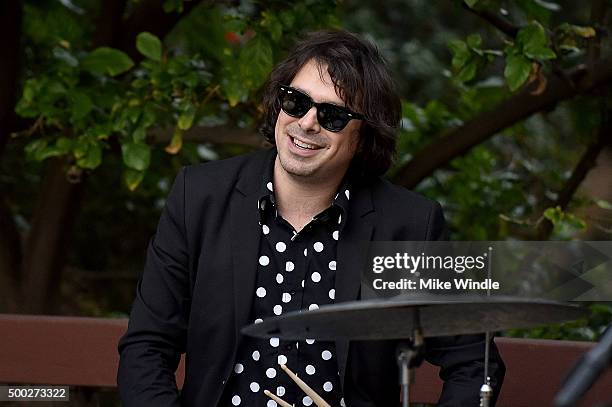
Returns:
(198, 283)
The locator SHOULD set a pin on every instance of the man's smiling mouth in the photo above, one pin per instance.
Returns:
(304, 145)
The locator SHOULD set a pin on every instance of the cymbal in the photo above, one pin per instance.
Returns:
(395, 319)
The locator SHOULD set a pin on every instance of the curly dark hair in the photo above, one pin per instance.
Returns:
(361, 79)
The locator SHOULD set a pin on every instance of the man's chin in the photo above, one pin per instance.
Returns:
(297, 168)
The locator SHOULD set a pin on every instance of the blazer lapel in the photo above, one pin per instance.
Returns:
(245, 242)
(351, 257)
(246, 235)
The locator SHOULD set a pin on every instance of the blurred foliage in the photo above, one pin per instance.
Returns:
(588, 329)
(453, 66)
(97, 106)
(80, 98)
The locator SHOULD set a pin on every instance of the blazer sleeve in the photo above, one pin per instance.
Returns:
(150, 350)
(461, 357)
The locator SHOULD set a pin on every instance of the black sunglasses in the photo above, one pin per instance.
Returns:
(331, 117)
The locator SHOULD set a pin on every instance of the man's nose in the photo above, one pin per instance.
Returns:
(309, 121)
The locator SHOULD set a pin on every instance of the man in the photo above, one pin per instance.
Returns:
(255, 236)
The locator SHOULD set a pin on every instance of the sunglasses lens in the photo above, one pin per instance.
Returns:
(332, 118)
(294, 103)
(297, 104)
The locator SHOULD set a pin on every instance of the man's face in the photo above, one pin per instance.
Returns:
(323, 154)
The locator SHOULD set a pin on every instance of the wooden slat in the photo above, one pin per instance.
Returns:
(83, 352)
(52, 350)
(535, 369)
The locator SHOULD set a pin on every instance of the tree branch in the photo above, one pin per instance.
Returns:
(587, 162)
(216, 135)
(495, 20)
(516, 108)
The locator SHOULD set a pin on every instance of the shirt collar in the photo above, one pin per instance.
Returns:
(336, 213)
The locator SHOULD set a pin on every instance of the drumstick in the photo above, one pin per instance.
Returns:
(318, 400)
(278, 400)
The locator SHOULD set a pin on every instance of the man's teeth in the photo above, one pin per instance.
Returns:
(304, 145)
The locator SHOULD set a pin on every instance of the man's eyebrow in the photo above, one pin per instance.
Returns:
(324, 101)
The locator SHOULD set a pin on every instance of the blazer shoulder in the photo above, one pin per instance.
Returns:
(397, 197)
(225, 172)
(407, 215)
(225, 166)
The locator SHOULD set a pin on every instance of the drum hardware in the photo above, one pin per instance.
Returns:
(417, 318)
(486, 391)
(586, 371)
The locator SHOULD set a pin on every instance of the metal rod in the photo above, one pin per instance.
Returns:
(486, 391)
(405, 383)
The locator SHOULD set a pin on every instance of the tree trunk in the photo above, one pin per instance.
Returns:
(10, 56)
(10, 259)
(48, 238)
(59, 200)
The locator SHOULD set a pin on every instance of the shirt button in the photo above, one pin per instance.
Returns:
(288, 347)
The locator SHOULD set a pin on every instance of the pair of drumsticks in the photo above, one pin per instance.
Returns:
(318, 400)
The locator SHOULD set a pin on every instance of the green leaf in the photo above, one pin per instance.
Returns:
(604, 204)
(461, 53)
(81, 146)
(541, 54)
(234, 91)
(517, 71)
(133, 178)
(92, 158)
(105, 60)
(176, 143)
(185, 120)
(256, 61)
(38, 150)
(471, 3)
(585, 32)
(149, 45)
(64, 144)
(468, 72)
(30, 88)
(140, 134)
(273, 24)
(553, 214)
(534, 42)
(474, 41)
(579, 30)
(574, 221)
(32, 148)
(534, 11)
(81, 104)
(287, 18)
(173, 5)
(136, 155)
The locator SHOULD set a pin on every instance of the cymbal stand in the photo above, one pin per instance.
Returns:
(409, 357)
(486, 391)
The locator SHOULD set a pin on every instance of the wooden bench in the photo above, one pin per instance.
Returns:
(78, 351)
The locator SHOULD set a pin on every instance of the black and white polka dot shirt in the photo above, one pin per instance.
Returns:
(296, 271)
